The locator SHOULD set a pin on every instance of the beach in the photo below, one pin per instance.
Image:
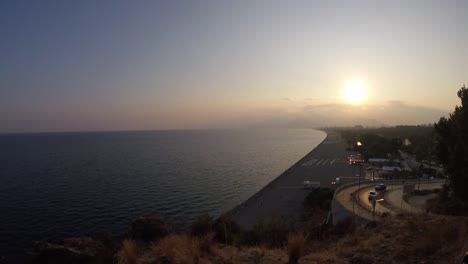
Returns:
(283, 196)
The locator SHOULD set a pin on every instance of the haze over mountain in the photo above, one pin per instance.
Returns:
(313, 116)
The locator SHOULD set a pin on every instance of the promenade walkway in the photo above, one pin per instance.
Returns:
(283, 197)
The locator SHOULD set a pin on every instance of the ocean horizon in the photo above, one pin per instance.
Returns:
(64, 184)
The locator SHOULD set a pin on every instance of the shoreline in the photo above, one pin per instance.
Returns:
(283, 196)
(283, 174)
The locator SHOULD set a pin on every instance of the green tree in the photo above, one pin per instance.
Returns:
(452, 147)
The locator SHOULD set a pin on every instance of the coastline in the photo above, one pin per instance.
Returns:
(283, 196)
(283, 174)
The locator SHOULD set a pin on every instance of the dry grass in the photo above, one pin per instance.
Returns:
(179, 249)
(207, 244)
(128, 253)
(257, 255)
(407, 238)
(439, 239)
(394, 239)
(296, 244)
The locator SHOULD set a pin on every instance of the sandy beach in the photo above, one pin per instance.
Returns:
(284, 195)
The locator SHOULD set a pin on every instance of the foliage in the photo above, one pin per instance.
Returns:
(452, 147)
(319, 198)
(296, 244)
(202, 225)
(226, 229)
(384, 141)
(178, 249)
(273, 233)
(148, 228)
(128, 252)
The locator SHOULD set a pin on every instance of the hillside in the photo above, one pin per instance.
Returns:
(400, 238)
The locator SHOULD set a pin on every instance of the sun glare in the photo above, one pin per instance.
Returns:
(354, 93)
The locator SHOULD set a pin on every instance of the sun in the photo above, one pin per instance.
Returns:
(354, 93)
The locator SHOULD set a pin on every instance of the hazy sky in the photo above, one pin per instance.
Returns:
(106, 65)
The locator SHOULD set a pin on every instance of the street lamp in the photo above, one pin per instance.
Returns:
(359, 144)
(373, 205)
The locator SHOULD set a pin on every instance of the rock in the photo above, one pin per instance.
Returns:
(148, 228)
(86, 245)
(49, 253)
(75, 250)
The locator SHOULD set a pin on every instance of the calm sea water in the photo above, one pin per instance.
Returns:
(55, 185)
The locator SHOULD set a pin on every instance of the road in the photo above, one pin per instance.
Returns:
(389, 201)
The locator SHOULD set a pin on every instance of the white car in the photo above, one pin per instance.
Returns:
(311, 185)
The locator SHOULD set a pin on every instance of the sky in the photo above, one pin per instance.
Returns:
(132, 65)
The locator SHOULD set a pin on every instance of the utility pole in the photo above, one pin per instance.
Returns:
(359, 185)
(373, 206)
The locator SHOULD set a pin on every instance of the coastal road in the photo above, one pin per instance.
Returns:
(389, 201)
(283, 196)
(393, 198)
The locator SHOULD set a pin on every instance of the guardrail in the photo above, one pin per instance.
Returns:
(340, 212)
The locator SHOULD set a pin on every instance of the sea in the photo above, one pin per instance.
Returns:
(57, 185)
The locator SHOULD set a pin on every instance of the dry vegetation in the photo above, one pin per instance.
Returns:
(295, 247)
(395, 239)
(404, 238)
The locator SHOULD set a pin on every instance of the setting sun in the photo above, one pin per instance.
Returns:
(354, 93)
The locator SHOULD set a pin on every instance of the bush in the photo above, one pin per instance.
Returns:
(385, 214)
(128, 252)
(437, 237)
(202, 226)
(371, 225)
(296, 243)
(247, 238)
(447, 204)
(226, 229)
(178, 249)
(149, 228)
(272, 233)
(207, 243)
(319, 198)
(425, 192)
(346, 225)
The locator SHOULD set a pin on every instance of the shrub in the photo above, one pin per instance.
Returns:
(207, 243)
(296, 243)
(272, 233)
(128, 252)
(437, 237)
(385, 214)
(202, 226)
(226, 229)
(257, 255)
(425, 192)
(247, 238)
(371, 225)
(346, 225)
(319, 198)
(178, 249)
(149, 228)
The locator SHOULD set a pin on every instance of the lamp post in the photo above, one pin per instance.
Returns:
(360, 170)
(374, 204)
(359, 144)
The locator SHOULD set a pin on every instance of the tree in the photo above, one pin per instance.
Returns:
(452, 147)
